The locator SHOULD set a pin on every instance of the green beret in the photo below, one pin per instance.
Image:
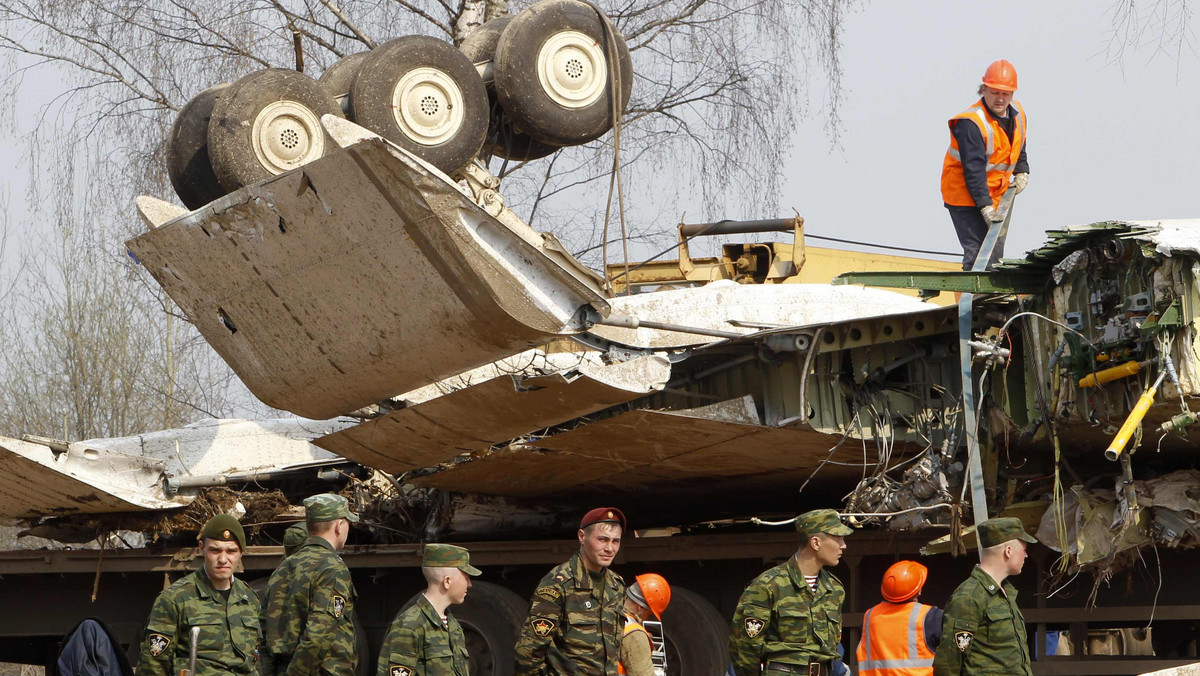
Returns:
(448, 556)
(293, 537)
(821, 521)
(998, 531)
(327, 507)
(224, 527)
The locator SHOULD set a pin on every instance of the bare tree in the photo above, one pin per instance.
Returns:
(1161, 27)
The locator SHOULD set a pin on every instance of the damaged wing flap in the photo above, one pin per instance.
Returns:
(359, 276)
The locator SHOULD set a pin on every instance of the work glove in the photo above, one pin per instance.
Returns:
(990, 215)
(1020, 181)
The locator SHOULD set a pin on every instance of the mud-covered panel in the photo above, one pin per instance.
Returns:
(644, 437)
(34, 481)
(477, 417)
(354, 279)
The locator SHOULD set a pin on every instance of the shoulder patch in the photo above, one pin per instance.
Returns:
(551, 593)
(560, 577)
(338, 606)
(963, 640)
(158, 643)
(399, 670)
(542, 626)
(754, 626)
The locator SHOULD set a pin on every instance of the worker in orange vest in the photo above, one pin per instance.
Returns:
(900, 635)
(986, 157)
(647, 597)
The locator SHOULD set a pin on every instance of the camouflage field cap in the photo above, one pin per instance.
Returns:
(327, 507)
(294, 536)
(821, 521)
(998, 531)
(448, 556)
(224, 527)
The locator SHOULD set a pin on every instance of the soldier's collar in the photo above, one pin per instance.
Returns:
(989, 584)
(430, 612)
(313, 539)
(797, 576)
(583, 577)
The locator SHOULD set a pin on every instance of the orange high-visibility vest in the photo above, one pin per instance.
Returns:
(1002, 156)
(893, 641)
(631, 625)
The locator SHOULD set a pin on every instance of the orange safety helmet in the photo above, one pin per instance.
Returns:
(1001, 75)
(903, 581)
(656, 591)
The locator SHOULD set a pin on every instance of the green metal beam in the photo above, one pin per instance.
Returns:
(966, 282)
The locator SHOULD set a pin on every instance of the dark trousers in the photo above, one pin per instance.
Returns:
(972, 230)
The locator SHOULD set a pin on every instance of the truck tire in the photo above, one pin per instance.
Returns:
(502, 139)
(697, 636)
(187, 159)
(266, 123)
(337, 79)
(491, 619)
(552, 72)
(423, 95)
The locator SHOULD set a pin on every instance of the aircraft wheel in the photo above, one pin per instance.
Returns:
(267, 123)
(552, 72)
(337, 79)
(423, 95)
(502, 139)
(187, 159)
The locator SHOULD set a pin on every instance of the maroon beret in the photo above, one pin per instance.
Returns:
(603, 515)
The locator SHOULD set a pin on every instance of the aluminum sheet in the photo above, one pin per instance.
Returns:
(506, 406)
(34, 481)
(359, 276)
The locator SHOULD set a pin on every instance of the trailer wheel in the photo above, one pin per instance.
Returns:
(697, 636)
(502, 139)
(187, 159)
(337, 79)
(423, 95)
(267, 123)
(552, 72)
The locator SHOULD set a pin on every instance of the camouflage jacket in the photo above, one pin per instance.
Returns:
(229, 629)
(306, 617)
(574, 627)
(418, 644)
(779, 619)
(983, 630)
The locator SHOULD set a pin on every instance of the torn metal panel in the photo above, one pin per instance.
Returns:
(359, 276)
(561, 387)
(37, 481)
(640, 449)
(740, 308)
(213, 447)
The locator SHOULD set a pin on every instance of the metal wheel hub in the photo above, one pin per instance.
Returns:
(285, 135)
(428, 106)
(572, 69)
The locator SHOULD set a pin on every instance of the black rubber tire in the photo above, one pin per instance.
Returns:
(491, 619)
(230, 132)
(502, 139)
(338, 78)
(372, 92)
(187, 159)
(526, 104)
(697, 636)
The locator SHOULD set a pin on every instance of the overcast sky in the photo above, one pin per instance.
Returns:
(1106, 140)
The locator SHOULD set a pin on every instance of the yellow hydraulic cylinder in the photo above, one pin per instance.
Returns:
(1110, 374)
(1135, 418)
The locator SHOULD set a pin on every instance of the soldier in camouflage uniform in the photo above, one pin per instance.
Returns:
(423, 640)
(983, 630)
(222, 606)
(306, 618)
(294, 538)
(575, 617)
(789, 619)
